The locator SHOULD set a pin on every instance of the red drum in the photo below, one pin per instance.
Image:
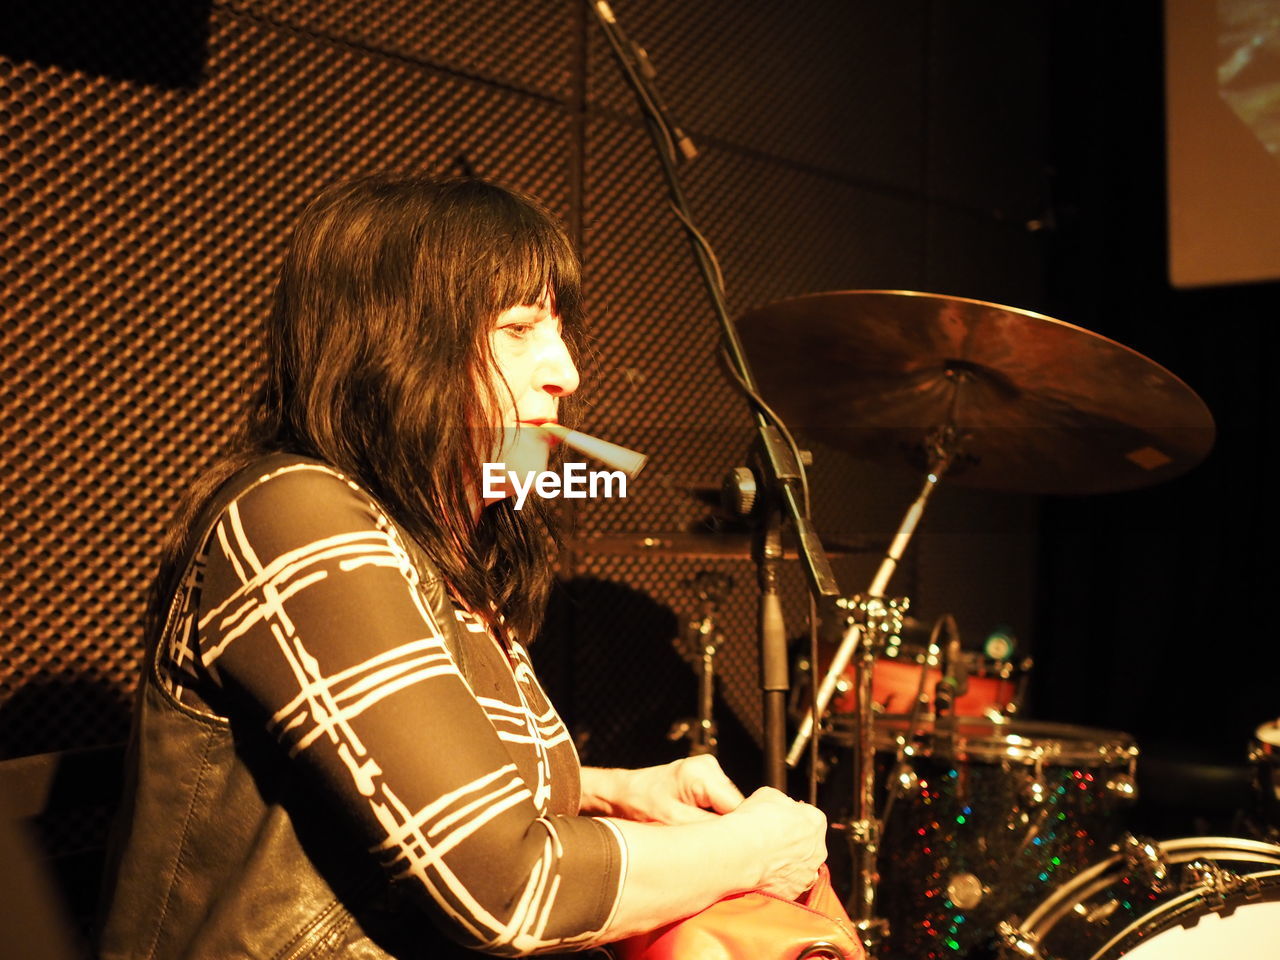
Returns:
(995, 686)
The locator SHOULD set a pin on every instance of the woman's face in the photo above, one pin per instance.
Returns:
(532, 371)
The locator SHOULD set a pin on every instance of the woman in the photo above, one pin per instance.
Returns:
(340, 748)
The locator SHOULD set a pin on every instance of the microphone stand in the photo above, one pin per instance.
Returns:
(780, 471)
(779, 475)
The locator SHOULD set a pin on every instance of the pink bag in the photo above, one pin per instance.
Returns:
(755, 926)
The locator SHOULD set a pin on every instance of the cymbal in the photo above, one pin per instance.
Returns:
(703, 546)
(1044, 406)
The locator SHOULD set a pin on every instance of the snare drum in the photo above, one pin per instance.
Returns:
(995, 686)
(993, 815)
(1198, 898)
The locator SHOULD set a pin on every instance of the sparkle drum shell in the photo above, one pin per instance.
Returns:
(1219, 898)
(991, 817)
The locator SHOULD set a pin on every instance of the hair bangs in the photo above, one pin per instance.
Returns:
(540, 263)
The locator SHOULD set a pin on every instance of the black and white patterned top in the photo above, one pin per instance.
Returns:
(308, 611)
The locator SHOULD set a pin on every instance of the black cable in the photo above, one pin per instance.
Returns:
(760, 404)
(671, 143)
(668, 154)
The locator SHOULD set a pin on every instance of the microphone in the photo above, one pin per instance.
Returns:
(955, 671)
(635, 61)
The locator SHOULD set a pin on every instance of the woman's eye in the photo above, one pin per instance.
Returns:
(519, 330)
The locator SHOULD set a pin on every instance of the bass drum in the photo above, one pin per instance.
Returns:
(1188, 899)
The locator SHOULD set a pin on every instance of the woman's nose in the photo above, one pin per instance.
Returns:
(558, 374)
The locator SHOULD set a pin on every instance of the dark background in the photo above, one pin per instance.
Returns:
(1153, 611)
(152, 158)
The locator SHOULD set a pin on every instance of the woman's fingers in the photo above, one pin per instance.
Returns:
(794, 836)
(706, 785)
(677, 813)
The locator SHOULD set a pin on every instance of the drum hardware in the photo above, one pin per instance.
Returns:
(966, 847)
(965, 890)
(1107, 910)
(906, 781)
(855, 634)
(942, 446)
(999, 647)
(711, 587)
(1143, 860)
(902, 779)
(1036, 791)
(1023, 671)
(1207, 876)
(877, 621)
(871, 621)
(1123, 785)
(1100, 913)
(860, 831)
(1016, 943)
(989, 396)
(954, 682)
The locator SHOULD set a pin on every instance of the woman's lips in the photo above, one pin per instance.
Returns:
(551, 439)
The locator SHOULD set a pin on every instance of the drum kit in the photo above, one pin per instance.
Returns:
(973, 832)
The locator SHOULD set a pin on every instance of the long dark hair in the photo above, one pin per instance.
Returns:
(378, 363)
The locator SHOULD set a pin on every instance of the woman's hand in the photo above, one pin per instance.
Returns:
(779, 842)
(683, 791)
(791, 836)
(721, 846)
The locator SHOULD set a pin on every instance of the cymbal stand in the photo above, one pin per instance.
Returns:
(711, 587)
(942, 445)
(872, 620)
